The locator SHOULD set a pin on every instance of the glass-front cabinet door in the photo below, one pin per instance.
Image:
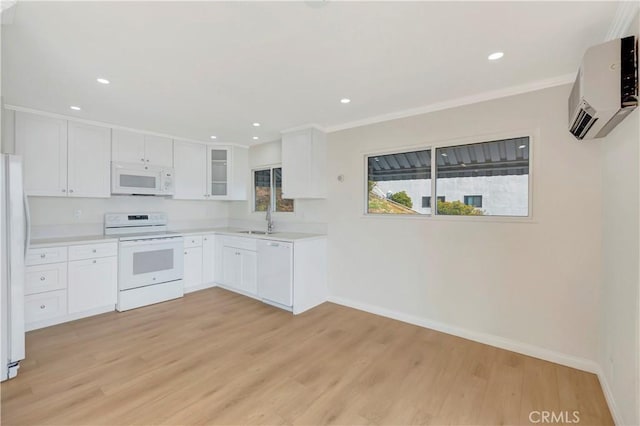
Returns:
(219, 172)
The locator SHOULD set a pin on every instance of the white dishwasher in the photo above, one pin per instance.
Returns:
(275, 273)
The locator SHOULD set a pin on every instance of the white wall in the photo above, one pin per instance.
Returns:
(512, 283)
(309, 215)
(620, 329)
(53, 216)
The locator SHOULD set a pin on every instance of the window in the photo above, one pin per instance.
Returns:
(267, 191)
(473, 200)
(397, 182)
(496, 173)
(426, 201)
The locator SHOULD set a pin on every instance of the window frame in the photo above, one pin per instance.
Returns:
(467, 197)
(533, 135)
(272, 191)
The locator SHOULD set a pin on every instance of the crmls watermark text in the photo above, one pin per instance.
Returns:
(554, 417)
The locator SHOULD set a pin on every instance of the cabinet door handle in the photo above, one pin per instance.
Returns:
(146, 161)
(142, 159)
(185, 252)
(42, 256)
(94, 261)
(41, 278)
(94, 250)
(71, 190)
(64, 190)
(42, 306)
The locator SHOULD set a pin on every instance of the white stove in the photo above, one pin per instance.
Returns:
(150, 259)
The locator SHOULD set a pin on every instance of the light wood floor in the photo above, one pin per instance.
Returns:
(214, 357)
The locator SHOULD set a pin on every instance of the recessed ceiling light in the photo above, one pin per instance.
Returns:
(444, 154)
(256, 124)
(102, 81)
(495, 55)
(255, 138)
(522, 146)
(75, 108)
(345, 100)
(213, 137)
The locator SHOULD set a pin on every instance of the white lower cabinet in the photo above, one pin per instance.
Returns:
(240, 270)
(199, 262)
(289, 275)
(68, 282)
(45, 306)
(209, 258)
(192, 267)
(93, 283)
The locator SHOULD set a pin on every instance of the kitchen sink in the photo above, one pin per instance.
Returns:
(254, 232)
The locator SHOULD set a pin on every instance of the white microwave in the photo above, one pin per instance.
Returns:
(140, 179)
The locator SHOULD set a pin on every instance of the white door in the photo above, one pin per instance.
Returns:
(208, 258)
(42, 143)
(92, 284)
(158, 151)
(89, 161)
(248, 274)
(128, 147)
(190, 171)
(231, 267)
(192, 267)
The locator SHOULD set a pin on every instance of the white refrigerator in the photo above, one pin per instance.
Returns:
(14, 237)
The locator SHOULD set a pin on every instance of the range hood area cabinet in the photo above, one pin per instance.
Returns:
(304, 163)
(133, 147)
(63, 158)
(210, 172)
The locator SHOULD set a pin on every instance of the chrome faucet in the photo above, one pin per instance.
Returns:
(269, 219)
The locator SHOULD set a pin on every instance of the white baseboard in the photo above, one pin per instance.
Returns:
(70, 317)
(488, 339)
(199, 287)
(608, 395)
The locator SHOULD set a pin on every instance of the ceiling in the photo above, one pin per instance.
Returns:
(196, 69)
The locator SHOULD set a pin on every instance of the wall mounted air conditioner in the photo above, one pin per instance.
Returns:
(605, 90)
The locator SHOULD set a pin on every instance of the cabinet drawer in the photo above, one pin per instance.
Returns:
(43, 306)
(41, 278)
(40, 256)
(90, 251)
(193, 241)
(241, 243)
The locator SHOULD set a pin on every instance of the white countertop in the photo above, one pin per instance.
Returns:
(65, 241)
(236, 232)
(94, 239)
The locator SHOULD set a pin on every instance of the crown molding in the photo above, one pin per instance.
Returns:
(458, 102)
(114, 126)
(627, 10)
(304, 127)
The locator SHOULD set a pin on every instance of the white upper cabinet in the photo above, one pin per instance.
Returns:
(228, 171)
(158, 150)
(42, 143)
(89, 161)
(190, 170)
(304, 164)
(63, 158)
(127, 147)
(133, 147)
(210, 172)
